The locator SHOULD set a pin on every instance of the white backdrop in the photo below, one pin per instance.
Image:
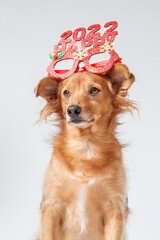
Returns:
(29, 29)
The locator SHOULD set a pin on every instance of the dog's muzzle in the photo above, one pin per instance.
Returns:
(74, 112)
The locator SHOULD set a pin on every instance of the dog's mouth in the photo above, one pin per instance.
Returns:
(77, 121)
(80, 121)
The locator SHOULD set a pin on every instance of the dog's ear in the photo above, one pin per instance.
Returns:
(47, 88)
(120, 78)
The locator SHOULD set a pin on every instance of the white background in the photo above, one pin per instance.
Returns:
(28, 31)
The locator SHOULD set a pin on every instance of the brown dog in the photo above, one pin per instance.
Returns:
(84, 193)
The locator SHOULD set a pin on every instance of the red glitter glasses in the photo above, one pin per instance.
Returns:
(91, 43)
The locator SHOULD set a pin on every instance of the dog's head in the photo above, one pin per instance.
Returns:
(85, 98)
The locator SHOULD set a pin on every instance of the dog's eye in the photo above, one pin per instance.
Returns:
(93, 91)
(66, 93)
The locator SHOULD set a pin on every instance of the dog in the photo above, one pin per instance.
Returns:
(84, 194)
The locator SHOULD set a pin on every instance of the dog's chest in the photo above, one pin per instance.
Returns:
(81, 209)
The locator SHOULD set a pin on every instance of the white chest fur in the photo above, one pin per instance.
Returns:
(80, 205)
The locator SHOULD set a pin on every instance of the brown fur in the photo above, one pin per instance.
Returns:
(83, 154)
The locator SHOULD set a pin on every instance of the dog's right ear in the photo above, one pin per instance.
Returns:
(47, 88)
(120, 78)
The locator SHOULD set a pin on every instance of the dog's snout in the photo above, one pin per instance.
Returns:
(74, 111)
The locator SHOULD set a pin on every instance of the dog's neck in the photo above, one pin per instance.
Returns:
(92, 148)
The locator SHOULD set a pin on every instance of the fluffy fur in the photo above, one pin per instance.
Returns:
(84, 194)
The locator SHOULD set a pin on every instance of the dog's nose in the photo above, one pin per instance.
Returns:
(74, 111)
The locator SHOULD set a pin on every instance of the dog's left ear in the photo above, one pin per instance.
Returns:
(120, 78)
(47, 88)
